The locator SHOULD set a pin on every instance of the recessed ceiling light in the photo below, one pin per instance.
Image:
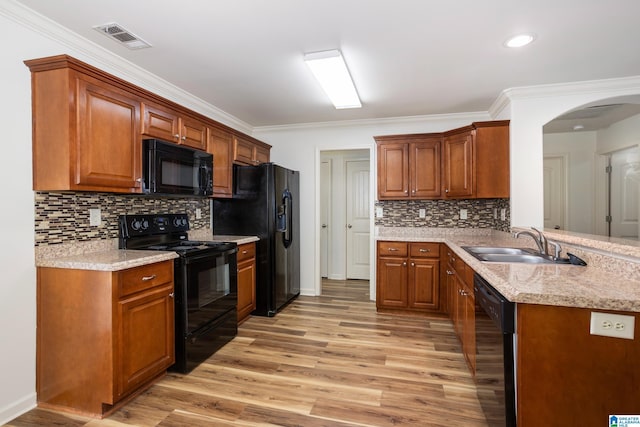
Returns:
(519, 40)
(578, 127)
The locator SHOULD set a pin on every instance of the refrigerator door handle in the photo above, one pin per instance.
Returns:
(287, 236)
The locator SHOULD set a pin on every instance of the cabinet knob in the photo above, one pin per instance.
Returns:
(423, 250)
(413, 264)
(413, 191)
(244, 252)
(392, 249)
(171, 295)
(446, 190)
(449, 272)
(404, 264)
(406, 191)
(176, 136)
(147, 278)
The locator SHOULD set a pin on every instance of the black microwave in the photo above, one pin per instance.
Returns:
(171, 169)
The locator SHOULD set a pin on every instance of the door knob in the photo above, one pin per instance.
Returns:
(349, 226)
(324, 225)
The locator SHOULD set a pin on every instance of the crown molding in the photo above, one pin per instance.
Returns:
(470, 117)
(607, 87)
(102, 58)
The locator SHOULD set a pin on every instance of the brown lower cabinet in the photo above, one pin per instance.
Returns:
(102, 336)
(246, 280)
(461, 303)
(408, 276)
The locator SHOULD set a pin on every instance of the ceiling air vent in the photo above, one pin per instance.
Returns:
(122, 35)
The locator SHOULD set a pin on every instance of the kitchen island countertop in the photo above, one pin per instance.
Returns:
(549, 284)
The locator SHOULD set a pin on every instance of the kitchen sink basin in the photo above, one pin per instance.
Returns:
(517, 255)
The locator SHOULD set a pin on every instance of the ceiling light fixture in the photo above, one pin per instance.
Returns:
(578, 127)
(519, 40)
(331, 71)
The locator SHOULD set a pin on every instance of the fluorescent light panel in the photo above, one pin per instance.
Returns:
(330, 70)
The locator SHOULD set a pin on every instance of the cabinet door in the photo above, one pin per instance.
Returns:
(393, 171)
(458, 165)
(221, 146)
(392, 283)
(423, 284)
(261, 155)
(160, 123)
(246, 288)
(243, 151)
(193, 133)
(108, 151)
(146, 344)
(425, 161)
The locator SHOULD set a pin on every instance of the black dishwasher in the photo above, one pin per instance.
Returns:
(495, 380)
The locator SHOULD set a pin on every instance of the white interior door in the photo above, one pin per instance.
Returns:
(555, 199)
(325, 201)
(357, 219)
(625, 193)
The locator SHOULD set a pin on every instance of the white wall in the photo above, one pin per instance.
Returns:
(529, 110)
(580, 148)
(620, 135)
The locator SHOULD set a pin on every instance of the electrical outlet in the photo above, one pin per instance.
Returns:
(379, 212)
(612, 325)
(495, 213)
(463, 214)
(503, 214)
(198, 213)
(95, 217)
(422, 213)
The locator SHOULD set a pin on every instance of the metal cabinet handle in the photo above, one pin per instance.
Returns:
(244, 252)
(392, 249)
(171, 295)
(449, 272)
(147, 278)
(424, 250)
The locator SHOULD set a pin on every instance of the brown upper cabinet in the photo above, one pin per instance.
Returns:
(88, 127)
(169, 125)
(476, 161)
(85, 131)
(249, 152)
(409, 166)
(221, 146)
(469, 162)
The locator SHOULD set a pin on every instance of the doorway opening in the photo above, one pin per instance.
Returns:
(345, 215)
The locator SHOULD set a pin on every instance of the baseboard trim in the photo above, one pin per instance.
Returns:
(18, 408)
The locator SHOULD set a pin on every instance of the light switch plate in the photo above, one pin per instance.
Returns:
(198, 213)
(463, 214)
(95, 217)
(612, 325)
(503, 214)
(422, 213)
(379, 212)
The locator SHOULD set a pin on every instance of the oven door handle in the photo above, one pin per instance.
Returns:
(195, 258)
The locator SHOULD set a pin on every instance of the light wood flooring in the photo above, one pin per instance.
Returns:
(322, 361)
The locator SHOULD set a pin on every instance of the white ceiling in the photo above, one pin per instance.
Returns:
(407, 57)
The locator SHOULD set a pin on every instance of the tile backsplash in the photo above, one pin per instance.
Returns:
(445, 213)
(64, 217)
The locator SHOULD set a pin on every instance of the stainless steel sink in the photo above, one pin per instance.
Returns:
(517, 255)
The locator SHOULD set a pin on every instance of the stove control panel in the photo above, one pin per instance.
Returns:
(147, 224)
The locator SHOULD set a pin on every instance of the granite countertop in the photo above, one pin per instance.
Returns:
(108, 260)
(548, 284)
(240, 240)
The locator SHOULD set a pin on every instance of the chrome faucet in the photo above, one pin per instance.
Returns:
(539, 238)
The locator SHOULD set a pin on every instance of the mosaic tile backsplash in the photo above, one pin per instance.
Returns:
(64, 217)
(444, 213)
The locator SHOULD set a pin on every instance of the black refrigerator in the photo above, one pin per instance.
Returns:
(266, 204)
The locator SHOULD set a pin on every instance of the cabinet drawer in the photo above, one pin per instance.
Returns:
(425, 250)
(246, 251)
(147, 276)
(395, 249)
